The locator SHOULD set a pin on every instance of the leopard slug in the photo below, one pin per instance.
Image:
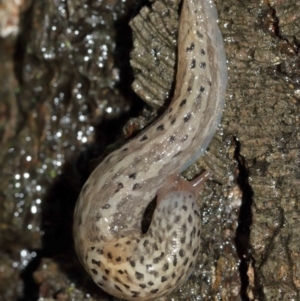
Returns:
(109, 242)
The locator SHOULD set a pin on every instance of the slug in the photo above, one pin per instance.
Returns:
(109, 242)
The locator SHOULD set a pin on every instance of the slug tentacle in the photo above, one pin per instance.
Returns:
(107, 219)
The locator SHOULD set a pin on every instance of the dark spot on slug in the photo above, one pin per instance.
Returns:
(199, 34)
(92, 248)
(193, 232)
(142, 285)
(109, 255)
(203, 65)
(120, 272)
(126, 286)
(139, 276)
(94, 271)
(154, 291)
(98, 216)
(150, 283)
(120, 186)
(182, 240)
(174, 260)
(124, 149)
(155, 274)
(198, 98)
(136, 186)
(144, 138)
(159, 258)
(184, 228)
(202, 89)
(189, 89)
(177, 218)
(132, 263)
(184, 207)
(191, 47)
(173, 121)
(166, 266)
(135, 294)
(190, 219)
(107, 271)
(118, 288)
(182, 103)
(107, 206)
(172, 138)
(98, 263)
(187, 117)
(193, 64)
(100, 251)
(170, 110)
(164, 278)
(202, 52)
(175, 234)
(181, 253)
(209, 81)
(195, 252)
(160, 127)
(132, 176)
(149, 266)
(104, 278)
(142, 259)
(118, 258)
(185, 261)
(128, 242)
(173, 275)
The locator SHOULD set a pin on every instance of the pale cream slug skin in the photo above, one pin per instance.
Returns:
(107, 220)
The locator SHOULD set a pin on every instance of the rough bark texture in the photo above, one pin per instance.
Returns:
(263, 114)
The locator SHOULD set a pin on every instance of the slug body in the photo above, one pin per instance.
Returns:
(107, 220)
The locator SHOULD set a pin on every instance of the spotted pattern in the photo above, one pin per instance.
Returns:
(143, 276)
(107, 221)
